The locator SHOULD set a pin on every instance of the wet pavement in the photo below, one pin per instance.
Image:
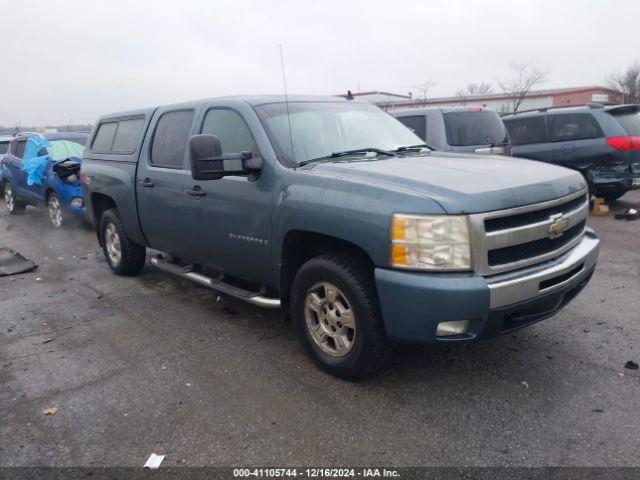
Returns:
(155, 364)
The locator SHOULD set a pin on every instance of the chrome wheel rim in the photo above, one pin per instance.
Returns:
(330, 319)
(112, 244)
(8, 197)
(55, 211)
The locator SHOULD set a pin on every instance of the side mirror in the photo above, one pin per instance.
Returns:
(209, 163)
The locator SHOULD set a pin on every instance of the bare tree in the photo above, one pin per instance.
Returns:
(627, 83)
(524, 77)
(482, 88)
(423, 90)
(473, 89)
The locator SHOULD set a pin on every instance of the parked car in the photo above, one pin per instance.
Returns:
(603, 143)
(457, 129)
(332, 210)
(44, 169)
(4, 146)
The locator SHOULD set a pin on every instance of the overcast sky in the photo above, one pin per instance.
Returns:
(74, 60)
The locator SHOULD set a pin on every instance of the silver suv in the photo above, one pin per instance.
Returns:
(458, 129)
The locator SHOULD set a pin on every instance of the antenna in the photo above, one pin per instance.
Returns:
(286, 101)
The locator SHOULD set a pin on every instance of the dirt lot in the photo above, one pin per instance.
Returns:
(156, 364)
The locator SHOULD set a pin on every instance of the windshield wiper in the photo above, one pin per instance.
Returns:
(345, 153)
(420, 146)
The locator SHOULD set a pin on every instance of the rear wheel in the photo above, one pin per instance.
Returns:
(124, 256)
(14, 206)
(56, 214)
(335, 308)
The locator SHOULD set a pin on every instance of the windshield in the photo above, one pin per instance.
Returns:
(62, 149)
(469, 127)
(319, 129)
(630, 122)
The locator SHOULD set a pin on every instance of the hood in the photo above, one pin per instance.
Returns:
(463, 183)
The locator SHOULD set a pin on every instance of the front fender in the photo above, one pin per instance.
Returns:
(348, 209)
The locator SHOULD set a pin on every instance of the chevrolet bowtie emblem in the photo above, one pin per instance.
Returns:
(558, 225)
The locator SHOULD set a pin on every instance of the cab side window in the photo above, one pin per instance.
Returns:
(118, 136)
(104, 137)
(170, 139)
(232, 131)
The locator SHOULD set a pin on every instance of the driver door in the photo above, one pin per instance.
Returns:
(235, 211)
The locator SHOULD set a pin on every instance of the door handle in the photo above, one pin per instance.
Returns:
(196, 192)
(146, 183)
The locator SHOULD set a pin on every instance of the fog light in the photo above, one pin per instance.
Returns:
(447, 329)
(76, 202)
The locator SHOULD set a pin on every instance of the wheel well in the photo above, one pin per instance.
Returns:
(299, 246)
(99, 204)
(48, 192)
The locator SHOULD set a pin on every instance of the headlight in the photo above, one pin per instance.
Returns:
(76, 202)
(430, 242)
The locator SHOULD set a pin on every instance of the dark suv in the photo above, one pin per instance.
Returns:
(603, 143)
(457, 129)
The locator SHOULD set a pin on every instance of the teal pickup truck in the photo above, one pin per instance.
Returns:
(337, 213)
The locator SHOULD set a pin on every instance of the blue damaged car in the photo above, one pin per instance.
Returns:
(44, 169)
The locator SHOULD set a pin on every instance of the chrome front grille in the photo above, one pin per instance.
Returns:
(510, 239)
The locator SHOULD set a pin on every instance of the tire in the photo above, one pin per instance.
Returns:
(330, 288)
(56, 213)
(611, 196)
(14, 206)
(124, 256)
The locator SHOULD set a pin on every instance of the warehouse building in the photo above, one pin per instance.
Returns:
(500, 102)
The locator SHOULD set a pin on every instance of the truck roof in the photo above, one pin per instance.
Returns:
(252, 100)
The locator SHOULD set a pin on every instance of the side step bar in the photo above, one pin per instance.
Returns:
(216, 284)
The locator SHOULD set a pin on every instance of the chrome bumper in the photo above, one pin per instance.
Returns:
(529, 283)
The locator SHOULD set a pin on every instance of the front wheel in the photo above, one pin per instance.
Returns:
(335, 307)
(14, 206)
(124, 256)
(56, 215)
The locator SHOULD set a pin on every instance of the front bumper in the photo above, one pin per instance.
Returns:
(414, 303)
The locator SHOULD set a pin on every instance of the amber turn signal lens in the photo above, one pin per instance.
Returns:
(399, 254)
(398, 229)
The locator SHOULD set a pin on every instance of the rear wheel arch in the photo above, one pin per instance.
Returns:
(100, 203)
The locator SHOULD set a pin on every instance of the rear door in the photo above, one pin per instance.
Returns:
(160, 182)
(4, 149)
(13, 165)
